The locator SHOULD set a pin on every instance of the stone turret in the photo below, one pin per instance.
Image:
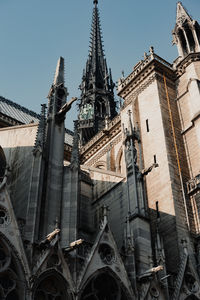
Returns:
(186, 32)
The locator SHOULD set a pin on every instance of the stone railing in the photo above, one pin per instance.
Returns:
(140, 66)
(101, 133)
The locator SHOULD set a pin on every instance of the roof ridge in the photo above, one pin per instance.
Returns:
(18, 106)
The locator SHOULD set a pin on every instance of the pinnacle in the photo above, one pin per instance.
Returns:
(59, 75)
(95, 1)
(181, 12)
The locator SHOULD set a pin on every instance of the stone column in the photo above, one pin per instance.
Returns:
(180, 50)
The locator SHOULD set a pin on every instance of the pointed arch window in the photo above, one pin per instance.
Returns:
(103, 286)
(197, 29)
(183, 41)
(190, 37)
(52, 287)
(12, 281)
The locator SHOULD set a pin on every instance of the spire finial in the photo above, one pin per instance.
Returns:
(59, 75)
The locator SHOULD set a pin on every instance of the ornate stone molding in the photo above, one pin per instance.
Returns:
(97, 157)
(181, 67)
(101, 134)
(101, 139)
(140, 72)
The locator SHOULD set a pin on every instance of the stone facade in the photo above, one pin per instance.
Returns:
(116, 215)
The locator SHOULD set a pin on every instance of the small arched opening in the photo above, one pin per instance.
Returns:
(119, 160)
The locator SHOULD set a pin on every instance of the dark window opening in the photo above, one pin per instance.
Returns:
(51, 288)
(103, 287)
(183, 41)
(190, 37)
(197, 29)
(154, 158)
(147, 125)
(103, 109)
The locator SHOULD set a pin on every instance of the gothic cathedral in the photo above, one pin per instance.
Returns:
(110, 211)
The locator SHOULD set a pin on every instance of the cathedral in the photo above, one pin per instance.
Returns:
(110, 211)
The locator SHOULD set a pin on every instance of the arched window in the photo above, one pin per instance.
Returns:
(103, 286)
(190, 37)
(51, 286)
(119, 160)
(183, 41)
(12, 280)
(197, 29)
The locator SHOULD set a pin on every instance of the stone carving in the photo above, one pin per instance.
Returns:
(154, 292)
(107, 254)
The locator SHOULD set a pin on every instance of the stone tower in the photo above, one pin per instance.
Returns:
(97, 97)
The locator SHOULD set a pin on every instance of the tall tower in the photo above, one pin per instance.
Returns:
(97, 96)
(186, 33)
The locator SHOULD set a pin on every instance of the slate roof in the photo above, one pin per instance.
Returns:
(25, 116)
(69, 137)
(17, 112)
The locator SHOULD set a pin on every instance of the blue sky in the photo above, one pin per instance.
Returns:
(34, 33)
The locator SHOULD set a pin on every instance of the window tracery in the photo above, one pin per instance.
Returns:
(12, 284)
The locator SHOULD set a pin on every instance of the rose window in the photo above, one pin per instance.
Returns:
(106, 253)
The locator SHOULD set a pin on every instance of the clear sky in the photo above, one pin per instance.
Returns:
(34, 33)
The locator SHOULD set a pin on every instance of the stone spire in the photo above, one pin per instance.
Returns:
(58, 93)
(97, 97)
(181, 14)
(186, 34)
(59, 75)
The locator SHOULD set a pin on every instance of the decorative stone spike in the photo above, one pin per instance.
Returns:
(59, 75)
(41, 132)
